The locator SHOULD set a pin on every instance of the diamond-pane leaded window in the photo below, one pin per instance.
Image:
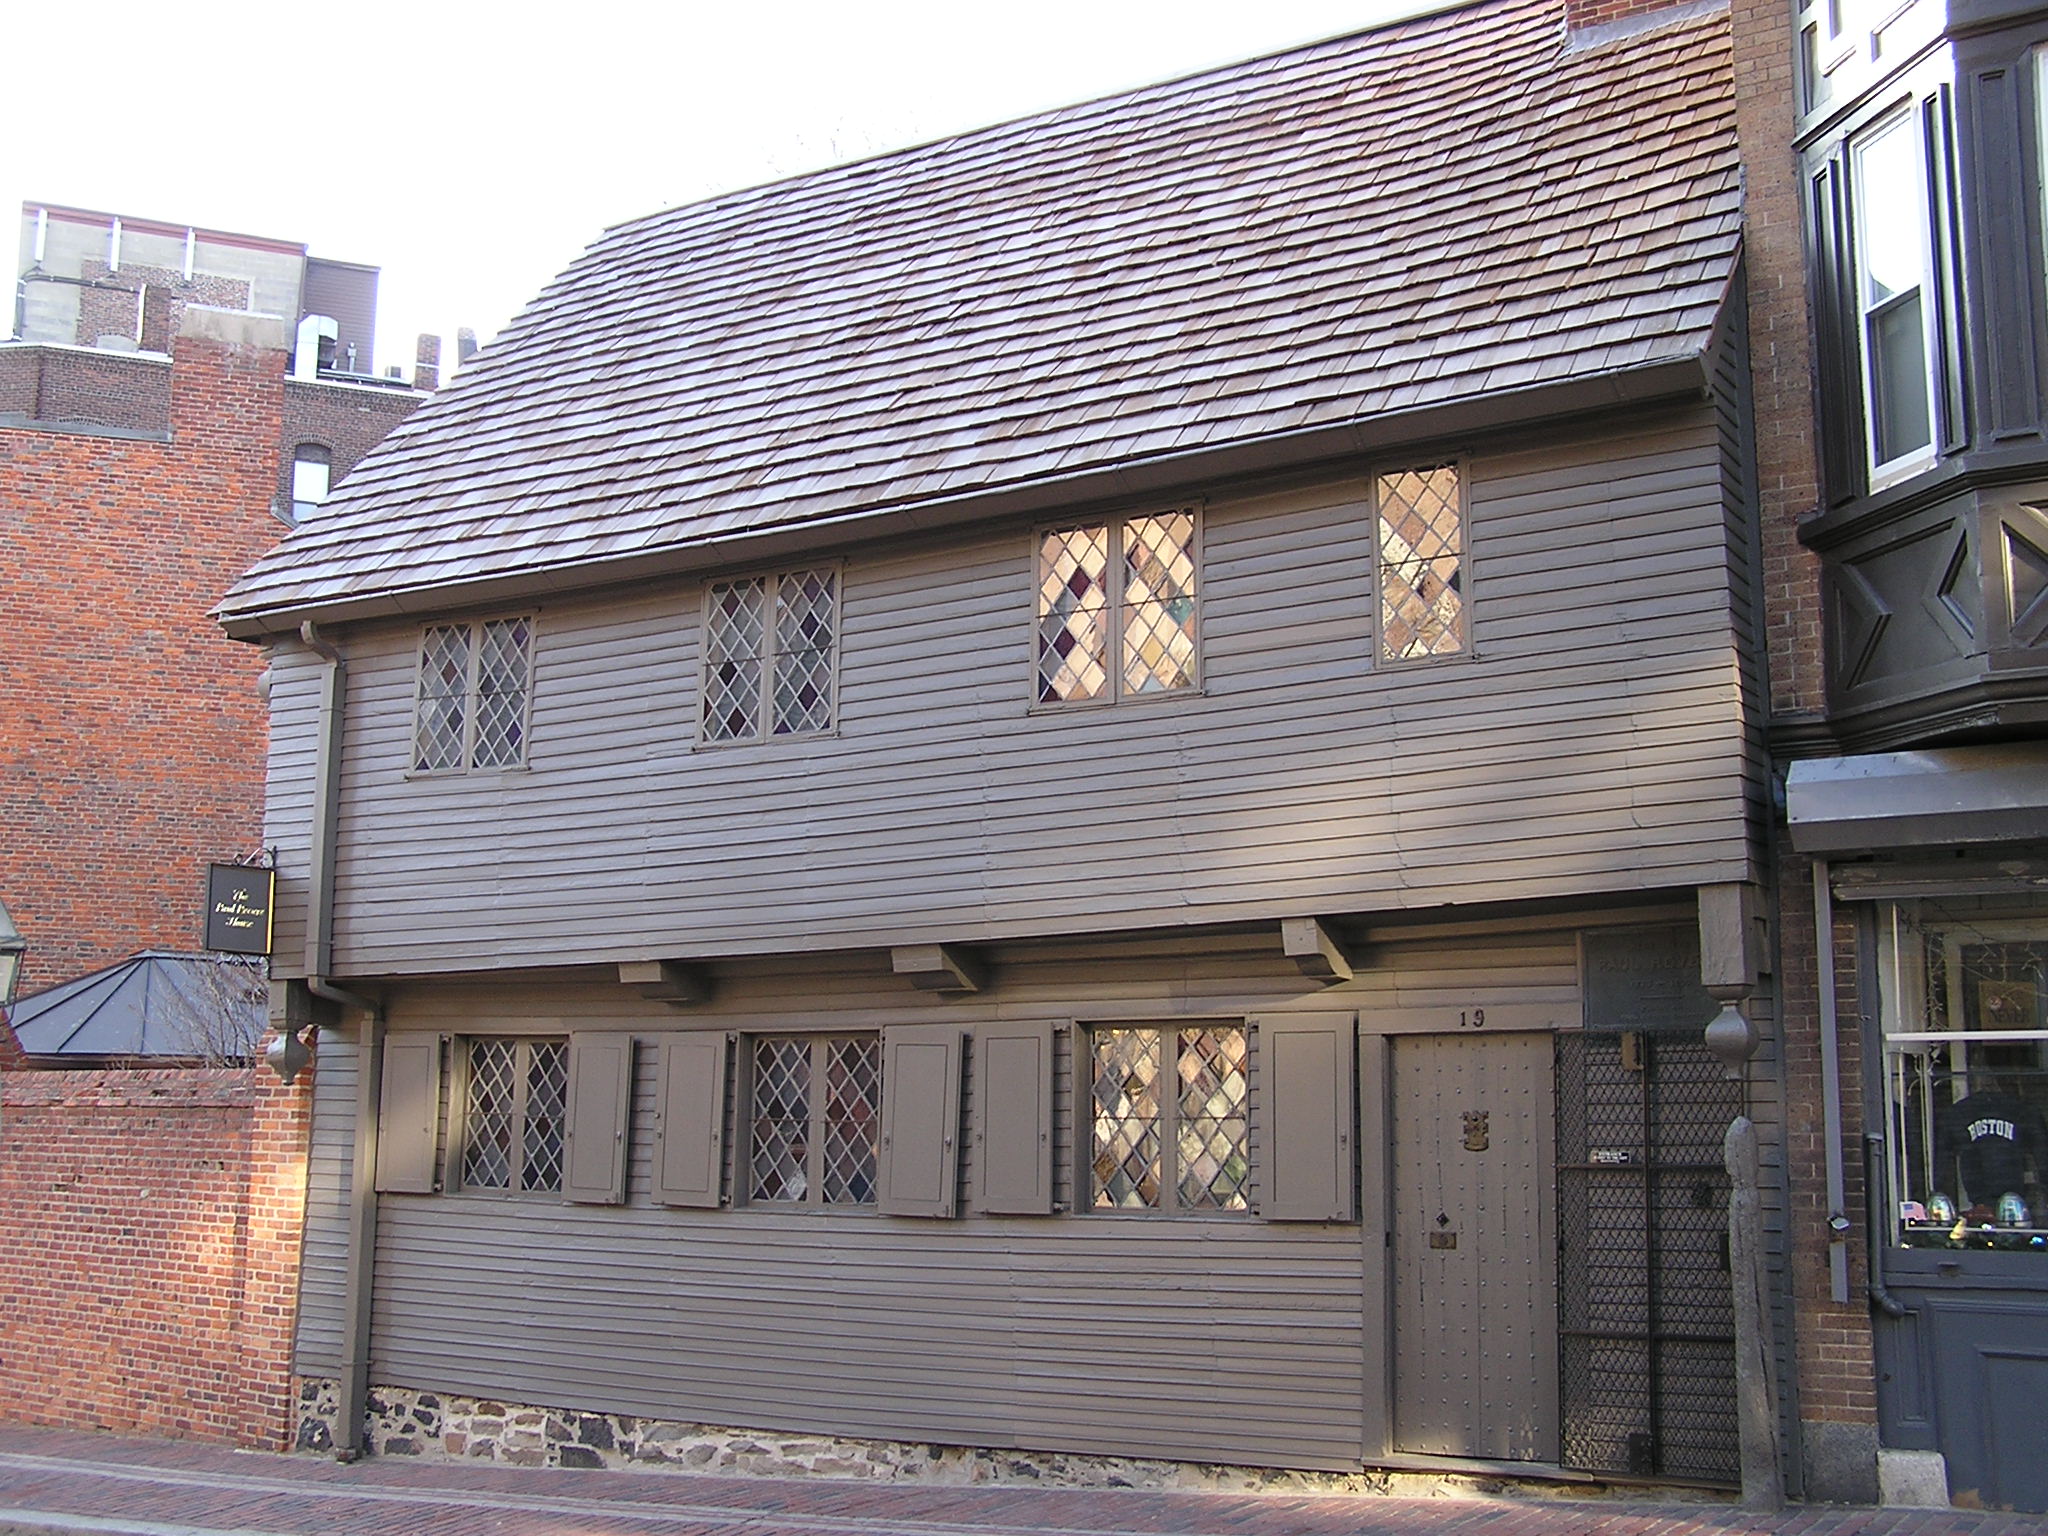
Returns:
(771, 647)
(1422, 564)
(514, 1114)
(1171, 1119)
(470, 707)
(815, 1119)
(1117, 608)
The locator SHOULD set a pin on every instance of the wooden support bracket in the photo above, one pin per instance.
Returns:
(667, 981)
(1315, 949)
(938, 968)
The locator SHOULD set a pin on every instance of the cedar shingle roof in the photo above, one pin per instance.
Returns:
(1446, 208)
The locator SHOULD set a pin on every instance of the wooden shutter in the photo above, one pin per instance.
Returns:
(1837, 317)
(1305, 1117)
(1013, 1118)
(920, 1120)
(409, 1115)
(600, 1109)
(689, 1123)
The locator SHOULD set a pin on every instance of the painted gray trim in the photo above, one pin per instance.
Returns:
(689, 1124)
(1013, 1118)
(918, 1165)
(599, 1116)
(409, 1115)
(1306, 1116)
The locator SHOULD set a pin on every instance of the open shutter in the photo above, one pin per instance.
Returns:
(1305, 1117)
(920, 1120)
(1013, 1118)
(409, 1115)
(1835, 325)
(600, 1107)
(689, 1126)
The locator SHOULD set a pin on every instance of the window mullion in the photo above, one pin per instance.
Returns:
(1169, 1119)
(522, 1072)
(472, 694)
(771, 587)
(814, 1150)
(1114, 617)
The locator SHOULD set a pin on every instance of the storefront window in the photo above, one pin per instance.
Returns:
(1965, 990)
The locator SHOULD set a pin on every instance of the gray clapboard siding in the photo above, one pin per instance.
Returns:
(1594, 743)
(329, 1167)
(1227, 1338)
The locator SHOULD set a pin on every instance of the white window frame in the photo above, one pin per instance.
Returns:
(471, 696)
(308, 497)
(764, 719)
(1114, 692)
(1907, 119)
(1903, 981)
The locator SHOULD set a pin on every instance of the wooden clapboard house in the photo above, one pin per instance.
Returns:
(1060, 790)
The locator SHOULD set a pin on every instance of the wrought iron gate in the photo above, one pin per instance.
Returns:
(1647, 1356)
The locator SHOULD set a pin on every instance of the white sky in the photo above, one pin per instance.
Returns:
(471, 150)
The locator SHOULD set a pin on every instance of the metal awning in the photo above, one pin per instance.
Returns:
(1945, 797)
(157, 1003)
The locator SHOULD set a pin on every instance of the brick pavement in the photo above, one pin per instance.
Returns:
(61, 1481)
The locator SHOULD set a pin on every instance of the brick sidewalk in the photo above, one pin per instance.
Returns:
(55, 1481)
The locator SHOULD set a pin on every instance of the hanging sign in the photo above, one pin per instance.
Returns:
(239, 899)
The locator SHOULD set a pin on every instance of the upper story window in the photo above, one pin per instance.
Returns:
(312, 470)
(771, 656)
(1117, 608)
(1893, 291)
(1421, 543)
(470, 710)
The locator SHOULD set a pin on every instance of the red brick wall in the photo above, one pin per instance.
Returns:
(112, 311)
(149, 1277)
(348, 420)
(1591, 13)
(132, 744)
(106, 389)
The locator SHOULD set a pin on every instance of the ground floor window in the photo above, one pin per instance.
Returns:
(1966, 1072)
(1171, 1118)
(515, 1103)
(814, 1119)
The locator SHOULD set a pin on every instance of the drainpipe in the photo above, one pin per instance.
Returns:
(359, 1276)
(1874, 1213)
(1831, 1086)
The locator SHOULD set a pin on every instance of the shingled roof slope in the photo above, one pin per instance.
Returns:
(1440, 209)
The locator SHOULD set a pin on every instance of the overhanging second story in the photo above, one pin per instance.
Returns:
(1232, 502)
(1922, 147)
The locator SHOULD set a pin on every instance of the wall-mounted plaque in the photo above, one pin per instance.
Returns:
(1645, 978)
(239, 902)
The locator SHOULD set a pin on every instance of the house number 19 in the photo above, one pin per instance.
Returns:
(1472, 1018)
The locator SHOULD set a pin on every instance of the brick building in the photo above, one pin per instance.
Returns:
(1892, 237)
(157, 433)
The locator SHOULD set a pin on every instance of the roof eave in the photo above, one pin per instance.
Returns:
(1663, 379)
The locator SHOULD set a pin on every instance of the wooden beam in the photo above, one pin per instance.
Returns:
(1315, 949)
(938, 968)
(667, 981)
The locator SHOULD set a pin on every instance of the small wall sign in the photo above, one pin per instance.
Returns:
(239, 903)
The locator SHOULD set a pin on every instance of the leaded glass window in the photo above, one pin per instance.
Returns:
(1421, 540)
(1117, 608)
(470, 705)
(1171, 1118)
(815, 1118)
(771, 646)
(515, 1108)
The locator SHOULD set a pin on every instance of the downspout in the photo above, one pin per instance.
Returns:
(360, 1274)
(1831, 1086)
(1875, 1214)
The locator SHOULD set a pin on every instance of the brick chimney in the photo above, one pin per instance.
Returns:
(426, 367)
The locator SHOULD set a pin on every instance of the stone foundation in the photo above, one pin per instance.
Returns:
(404, 1422)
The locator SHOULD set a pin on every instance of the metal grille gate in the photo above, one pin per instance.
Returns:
(1647, 1352)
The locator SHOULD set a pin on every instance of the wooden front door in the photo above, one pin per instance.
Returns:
(1475, 1299)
